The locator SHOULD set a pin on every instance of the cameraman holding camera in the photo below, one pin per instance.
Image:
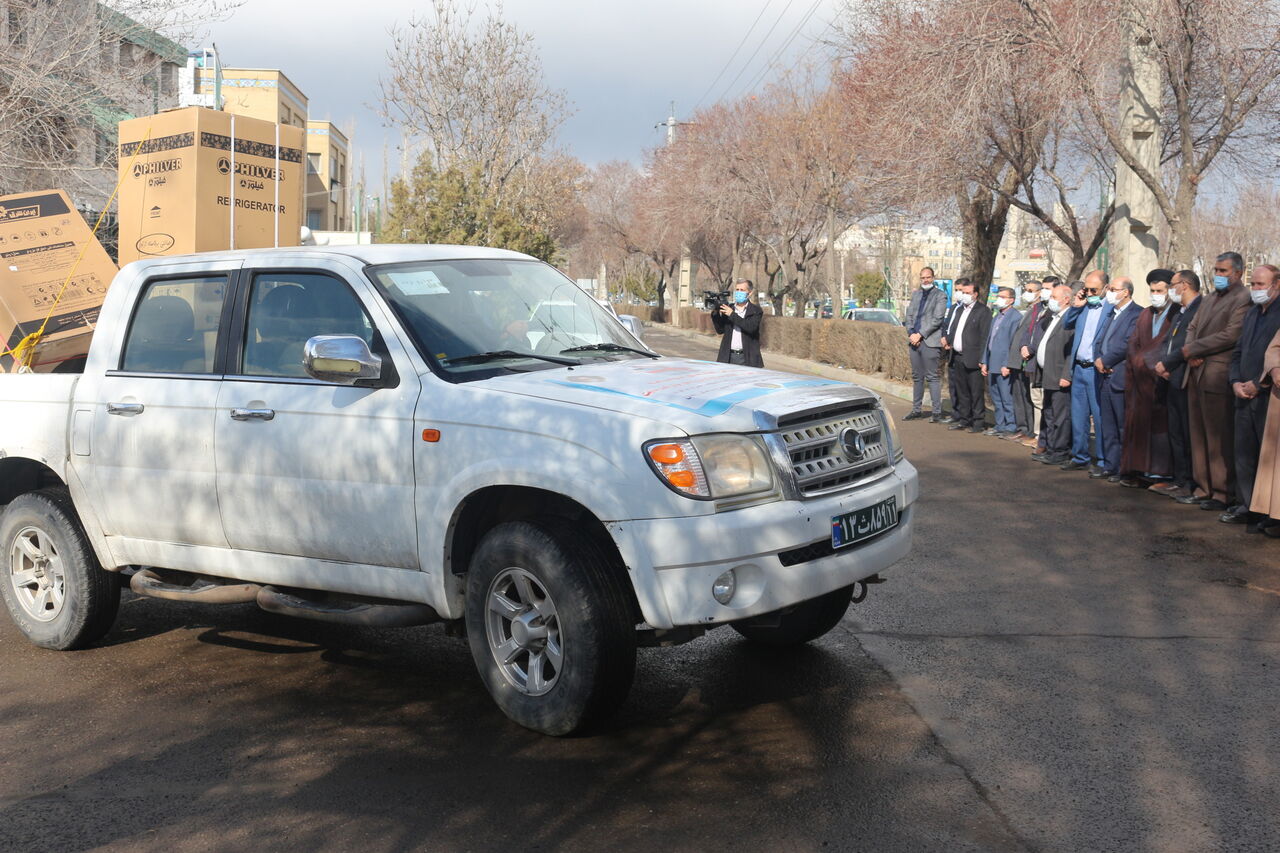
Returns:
(742, 321)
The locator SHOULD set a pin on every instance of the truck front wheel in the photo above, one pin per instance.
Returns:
(550, 626)
(804, 622)
(55, 590)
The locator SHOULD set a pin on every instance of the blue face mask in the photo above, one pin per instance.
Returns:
(1221, 282)
(740, 297)
(1094, 300)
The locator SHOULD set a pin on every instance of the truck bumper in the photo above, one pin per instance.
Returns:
(673, 562)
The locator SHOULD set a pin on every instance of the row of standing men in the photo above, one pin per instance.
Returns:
(1173, 397)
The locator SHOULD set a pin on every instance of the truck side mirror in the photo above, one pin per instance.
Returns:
(344, 359)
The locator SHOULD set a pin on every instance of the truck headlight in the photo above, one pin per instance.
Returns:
(891, 430)
(711, 466)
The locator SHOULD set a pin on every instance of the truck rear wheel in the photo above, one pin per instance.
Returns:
(550, 626)
(804, 622)
(55, 590)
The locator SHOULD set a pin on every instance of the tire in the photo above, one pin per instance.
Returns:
(570, 661)
(53, 586)
(806, 621)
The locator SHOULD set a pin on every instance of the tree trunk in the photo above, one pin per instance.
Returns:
(983, 215)
(1177, 254)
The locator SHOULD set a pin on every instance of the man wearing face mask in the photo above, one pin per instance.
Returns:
(1025, 344)
(1261, 323)
(967, 335)
(956, 287)
(1146, 450)
(1111, 366)
(925, 314)
(995, 363)
(1172, 367)
(1087, 319)
(1019, 370)
(1053, 364)
(742, 323)
(1211, 339)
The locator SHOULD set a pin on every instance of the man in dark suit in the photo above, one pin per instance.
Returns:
(1261, 323)
(1110, 364)
(1053, 363)
(946, 348)
(1184, 292)
(739, 327)
(925, 314)
(967, 336)
(1087, 319)
(1211, 339)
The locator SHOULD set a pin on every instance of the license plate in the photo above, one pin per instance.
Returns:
(863, 523)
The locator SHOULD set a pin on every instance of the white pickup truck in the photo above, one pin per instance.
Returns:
(396, 435)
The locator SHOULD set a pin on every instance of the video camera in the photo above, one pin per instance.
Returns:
(713, 299)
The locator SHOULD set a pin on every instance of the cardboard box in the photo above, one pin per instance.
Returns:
(41, 236)
(206, 181)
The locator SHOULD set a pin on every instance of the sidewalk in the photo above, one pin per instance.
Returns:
(875, 382)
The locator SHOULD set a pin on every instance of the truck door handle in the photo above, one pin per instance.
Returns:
(252, 414)
(124, 408)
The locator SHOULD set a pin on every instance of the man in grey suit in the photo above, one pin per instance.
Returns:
(924, 318)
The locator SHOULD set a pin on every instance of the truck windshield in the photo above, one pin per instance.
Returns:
(474, 317)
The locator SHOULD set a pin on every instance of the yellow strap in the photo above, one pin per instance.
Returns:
(25, 350)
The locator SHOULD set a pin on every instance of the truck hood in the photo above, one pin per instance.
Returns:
(693, 396)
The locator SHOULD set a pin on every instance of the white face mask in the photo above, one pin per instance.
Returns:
(1054, 306)
(966, 299)
(1029, 296)
(925, 285)
(1113, 297)
(1158, 300)
(1046, 294)
(1175, 296)
(1003, 302)
(1260, 297)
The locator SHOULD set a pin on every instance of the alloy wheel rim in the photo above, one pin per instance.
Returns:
(36, 574)
(522, 627)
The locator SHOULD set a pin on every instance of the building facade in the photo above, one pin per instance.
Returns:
(328, 193)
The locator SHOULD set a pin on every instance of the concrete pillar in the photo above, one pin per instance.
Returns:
(686, 284)
(1135, 248)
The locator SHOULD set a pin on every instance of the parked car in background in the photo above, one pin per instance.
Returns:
(872, 315)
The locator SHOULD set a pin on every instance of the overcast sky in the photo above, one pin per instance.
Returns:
(620, 63)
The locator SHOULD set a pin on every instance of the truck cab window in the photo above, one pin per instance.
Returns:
(286, 309)
(175, 327)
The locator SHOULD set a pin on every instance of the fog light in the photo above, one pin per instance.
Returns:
(724, 587)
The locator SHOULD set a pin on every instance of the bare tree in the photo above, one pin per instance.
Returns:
(470, 90)
(70, 70)
(1219, 67)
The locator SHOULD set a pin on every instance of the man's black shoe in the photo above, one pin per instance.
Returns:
(958, 425)
(911, 416)
(1237, 515)
(946, 419)
(1212, 505)
(1096, 473)
(990, 431)
(1132, 483)
(1189, 499)
(1040, 457)
(976, 429)
(935, 419)
(1073, 465)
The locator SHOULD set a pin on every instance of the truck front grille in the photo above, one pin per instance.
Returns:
(820, 461)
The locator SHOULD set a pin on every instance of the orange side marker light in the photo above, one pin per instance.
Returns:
(432, 435)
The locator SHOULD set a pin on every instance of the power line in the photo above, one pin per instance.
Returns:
(769, 65)
(755, 52)
(734, 55)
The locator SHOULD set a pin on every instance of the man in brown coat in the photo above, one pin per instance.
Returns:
(1211, 340)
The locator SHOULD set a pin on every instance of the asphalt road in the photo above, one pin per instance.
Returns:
(1060, 665)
